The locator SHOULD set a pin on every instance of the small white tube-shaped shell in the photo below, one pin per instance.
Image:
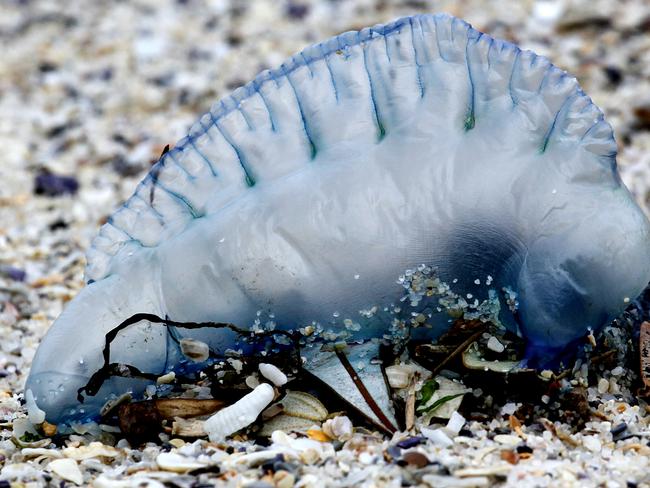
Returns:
(240, 414)
(273, 374)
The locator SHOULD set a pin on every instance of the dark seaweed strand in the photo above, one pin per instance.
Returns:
(365, 393)
(109, 369)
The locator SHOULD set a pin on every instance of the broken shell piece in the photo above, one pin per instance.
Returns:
(437, 436)
(456, 422)
(91, 451)
(188, 428)
(472, 359)
(169, 408)
(273, 374)
(171, 461)
(339, 428)
(67, 469)
(495, 345)
(303, 405)
(286, 423)
(195, 350)
(239, 415)
(112, 403)
(399, 375)
(252, 381)
(166, 378)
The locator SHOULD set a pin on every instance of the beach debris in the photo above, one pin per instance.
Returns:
(644, 353)
(52, 185)
(94, 450)
(239, 415)
(286, 423)
(303, 405)
(399, 375)
(67, 469)
(144, 419)
(339, 428)
(273, 374)
(197, 351)
(177, 463)
(440, 398)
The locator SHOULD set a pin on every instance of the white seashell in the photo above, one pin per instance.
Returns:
(34, 452)
(437, 436)
(195, 350)
(494, 344)
(303, 405)
(339, 428)
(399, 375)
(36, 415)
(188, 428)
(239, 415)
(67, 469)
(166, 378)
(171, 461)
(456, 422)
(252, 381)
(273, 374)
(92, 450)
(286, 423)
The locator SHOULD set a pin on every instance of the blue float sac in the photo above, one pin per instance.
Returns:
(307, 192)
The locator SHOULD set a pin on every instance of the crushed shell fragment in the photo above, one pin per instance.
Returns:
(68, 470)
(195, 350)
(399, 375)
(339, 428)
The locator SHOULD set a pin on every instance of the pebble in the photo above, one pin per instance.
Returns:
(415, 459)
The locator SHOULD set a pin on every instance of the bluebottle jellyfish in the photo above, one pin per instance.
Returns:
(419, 145)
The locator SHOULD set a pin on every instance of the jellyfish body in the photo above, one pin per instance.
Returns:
(306, 193)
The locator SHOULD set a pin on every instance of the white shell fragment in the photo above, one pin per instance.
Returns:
(495, 345)
(339, 428)
(195, 350)
(303, 405)
(91, 451)
(399, 375)
(455, 423)
(239, 415)
(273, 374)
(308, 191)
(177, 463)
(67, 469)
